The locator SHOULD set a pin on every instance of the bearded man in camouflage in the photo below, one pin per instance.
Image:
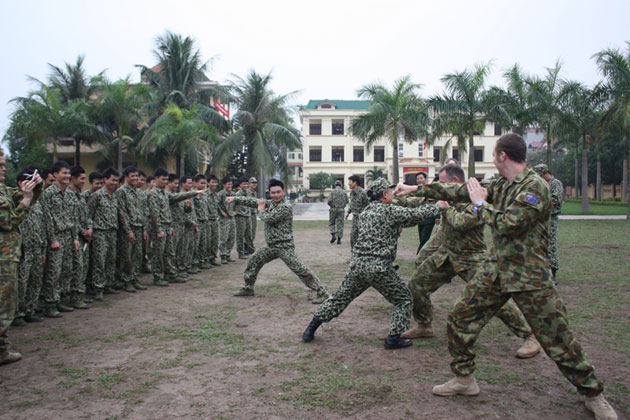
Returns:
(337, 203)
(277, 214)
(516, 206)
(372, 263)
(557, 194)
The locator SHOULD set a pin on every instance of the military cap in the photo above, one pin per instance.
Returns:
(253, 179)
(541, 169)
(337, 182)
(378, 186)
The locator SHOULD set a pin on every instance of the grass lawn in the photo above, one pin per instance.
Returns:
(575, 209)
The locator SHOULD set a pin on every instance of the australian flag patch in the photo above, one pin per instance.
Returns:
(531, 199)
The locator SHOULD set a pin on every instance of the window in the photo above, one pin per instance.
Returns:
(477, 133)
(379, 154)
(315, 128)
(479, 155)
(337, 154)
(300, 172)
(421, 148)
(291, 155)
(300, 156)
(326, 106)
(436, 154)
(497, 129)
(337, 127)
(401, 149)
(315, 155)
(456, 155)
(357, 154)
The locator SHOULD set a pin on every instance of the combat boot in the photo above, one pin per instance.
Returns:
(98, 296)
(18, 322)
(160, 283)
(530, 348)
(51, 311)
(9, 357)
(244, 291)
(463, 385)
(339, 240)
(33, 318)
(145, 269)
(309, 332)
(600, 408)
(224, 260)
(243, 257)
(419, 331)
(229, 259)
(394, 342)
(321, 297)
(333, 239)
(111, 291)
(214, 263)
(78, 303)
(63, 308)
(139, 286)
(179, 280)
(129, 288)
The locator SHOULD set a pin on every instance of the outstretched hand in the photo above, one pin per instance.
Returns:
(404, 189)
(229, 199)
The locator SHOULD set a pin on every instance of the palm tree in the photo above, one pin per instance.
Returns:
(615, 67)
(510, 106)
(374, 173)
(399, 114)
(464, 107)
(263, 128)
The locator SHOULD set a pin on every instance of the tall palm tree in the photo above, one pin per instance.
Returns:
(263, 128)
(510, 106)
(464, 106)
(399, 114)
(374, 173)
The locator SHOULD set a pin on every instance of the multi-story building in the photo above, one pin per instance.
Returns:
(329, 147)
(295, 160)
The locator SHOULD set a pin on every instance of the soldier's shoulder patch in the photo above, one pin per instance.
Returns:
(531, 199)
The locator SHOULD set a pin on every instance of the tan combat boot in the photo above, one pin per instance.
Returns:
(419, 331)
(530, 348)
(463, 385)
(600, 408)
(9, 357)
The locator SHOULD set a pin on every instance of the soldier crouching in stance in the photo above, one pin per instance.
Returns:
(372, 263)
(277, 214)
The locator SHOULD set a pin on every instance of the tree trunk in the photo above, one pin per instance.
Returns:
(575, 173)
(624, 178)
(549, 150)
(77, 152)
(55, 150)
(119, 156)
(261, 184)
(395, 159)
(585, 206)
(598, 182)
(471, 155)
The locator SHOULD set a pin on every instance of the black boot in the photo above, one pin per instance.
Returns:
(394, 342)
(309, 332)
(339, 240)
(334, 236)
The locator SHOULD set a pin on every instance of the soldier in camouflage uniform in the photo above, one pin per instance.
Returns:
(226, 221)
(461, 251)
(179, 210)
(242, 220)
(372, 263)
(96, 183)
(202, 242)
(358, 201)
(14, 206)
(129, 202)
(253, 184)
(189, 243)
(337, 202)
(62, 234)
(213, 219)
(84, 229)
(557, 195)
(517, 206)
(277, 214)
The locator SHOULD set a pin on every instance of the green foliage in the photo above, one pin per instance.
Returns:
(374, 173)
(321, 180)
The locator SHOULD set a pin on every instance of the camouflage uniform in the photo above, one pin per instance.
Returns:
(518, 214)
(337, 202)
(103, 210)
(557, 193)
(278, 220)
(129, 202)
(213, 225)
(31, 269)
(243, 225)
(226, 225)
(60, 227)
(358, 201)
(87, 254)
(460, 252)
(202, 239)
(189, 243)
(179, 214)
(252, 225)
(372, 260)
(82, 254)
(12, 213)
(143, 199)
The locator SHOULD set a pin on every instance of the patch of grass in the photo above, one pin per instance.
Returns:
(117, 337)
(25, 404)
(573, 208)
(108, 380)
(75, 373)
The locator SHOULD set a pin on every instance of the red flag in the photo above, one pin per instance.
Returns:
(221, 109)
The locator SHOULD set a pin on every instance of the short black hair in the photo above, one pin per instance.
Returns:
(355, 178)
(514, 147)
(129, 170)
(452, 170)
(243, 179)
(423, 174)
(94, 176)
(212, 177)
(58, 166)
(149, 179)
(184, 179)
(45, 173)
(27, 173)
(107, 173)
(276, 183)
(198, 178)
(173, 177)
(141, 173)
(236, 184)
(225, 180)
(160, 172)
(121, 179)
(76, 171)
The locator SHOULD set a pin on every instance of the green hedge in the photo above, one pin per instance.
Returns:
(600, 203)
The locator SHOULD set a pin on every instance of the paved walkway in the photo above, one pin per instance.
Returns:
(319, 211)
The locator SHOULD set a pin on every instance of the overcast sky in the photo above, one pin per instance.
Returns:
(324, 49)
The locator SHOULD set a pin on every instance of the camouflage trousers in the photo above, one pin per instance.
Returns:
(354, 234)
(544, 311)
(30, 277)
(180, 250)
(335, 221)
(58, 266)
(243, 226)
(213, 238)
(189, 248)
(8, 299)
(130, 255)
(104, 244)
(163, 257)
(227, 236)
(266, 254)
(429, 277)
(554, 262)
(77, 279)
(201, 245)
(252, 234)
(381, 275)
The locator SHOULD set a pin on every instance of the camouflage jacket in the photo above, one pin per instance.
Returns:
(338, 199)
(12, 213)
(213, 205)
(33, 232)
(223, 207)
(83, 220)
(103, 210)
(239, 209)
(55, 206)
(180, 210)
(557, 195)
(378, 229)
(358, 201)
(130, 207)
(518, 214)
(159, 207)
(278, 221)
(253, 194)
(201, 206)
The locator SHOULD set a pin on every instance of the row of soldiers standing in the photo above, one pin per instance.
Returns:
(80, 245)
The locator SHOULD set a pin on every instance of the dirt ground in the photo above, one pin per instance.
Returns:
(194, 351)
